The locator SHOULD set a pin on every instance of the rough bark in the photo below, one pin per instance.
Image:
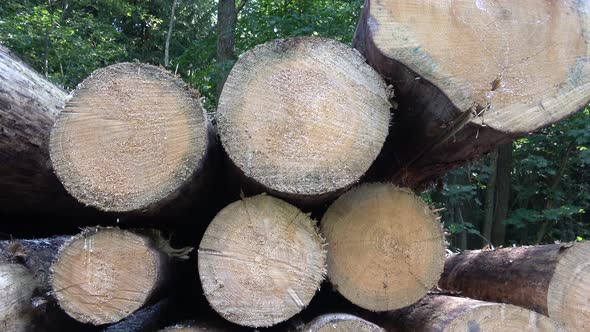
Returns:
(105, 274)
(261, 261)
(385, 247)
(342, 323)
(438, 313)
(471, 76)
(550, 279)
(29, 105)
(303, 117)
(17, 285)
(502, 195)
(133, 138)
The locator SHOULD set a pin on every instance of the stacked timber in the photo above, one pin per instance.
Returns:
(552, 279)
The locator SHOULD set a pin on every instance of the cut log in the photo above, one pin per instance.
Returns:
(17, 285)
(385, 246)
(440, 313)
(340, 323)
(551, 279)
(149, 319)
(303, 117)
(471, 75)
(130, 139)
(261, 261)
(29, 105)
(105, 274)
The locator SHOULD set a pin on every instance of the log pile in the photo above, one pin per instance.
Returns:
(326, 144)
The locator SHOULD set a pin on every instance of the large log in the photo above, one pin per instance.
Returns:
(303, 118)
(105, 274)
(132, 138)
(440, 313)
(385, 246)
(261, 261)
(551, 279)
(341, 323)
(29, 105)
(471, 75)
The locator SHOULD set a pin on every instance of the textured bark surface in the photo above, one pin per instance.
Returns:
(303, 117)
(385, 246)
(29, 105)
(438, 313)
(132, 137)
(17, 285)
(470, 76)
(261, 261)
(341, 323)
(550, 279)
(105, 274)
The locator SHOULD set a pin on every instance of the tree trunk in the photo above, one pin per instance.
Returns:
(28, 108)
(502, 195)
(471, 76)
(488, 221)
(105, 274)
(261, 261)
(303, 117)
(550, 279)
(226, 40)
(438, 313)
(133, 138)
(341, 323)
(385, 247)
(169, 35)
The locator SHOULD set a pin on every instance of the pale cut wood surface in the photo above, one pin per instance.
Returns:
(471, 75)
(303, 116)
(385, 246)
(340, 323)
(441, 313)
(17, 285)
(103, 275)
(261, 261)
(131, 136)
(551, 279)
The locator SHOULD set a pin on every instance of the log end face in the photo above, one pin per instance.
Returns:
(341, 323)
(303, 116)
(568, 297)
(385, 247)
(17, 285)
(102, 276)
(502, 317)
(261, 261)
(131, 135)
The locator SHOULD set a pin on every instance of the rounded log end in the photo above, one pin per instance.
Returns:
(341, 323)
(569, 289)
(303, 116)
(385, 246)
(129, 138)
(502, 317)
(261, 261)
(17, 285)
(104, 275)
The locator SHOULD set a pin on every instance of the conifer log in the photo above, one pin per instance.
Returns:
(261, 260)
(105, 274)
(471, 75)
(340, 323)
(441, 313)
(303, 118)
(551, 279)
(131, 138)
(17, 285)
(29, 105)
(385, 246)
